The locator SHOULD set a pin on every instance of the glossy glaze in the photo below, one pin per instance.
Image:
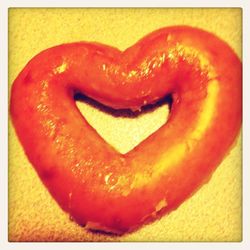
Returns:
(98, 186)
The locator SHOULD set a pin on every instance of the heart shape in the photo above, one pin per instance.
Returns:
(99, 187)
(123, 129)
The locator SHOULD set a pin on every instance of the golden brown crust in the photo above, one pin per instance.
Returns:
(87, 177)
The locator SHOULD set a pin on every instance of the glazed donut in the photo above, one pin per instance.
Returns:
(99, 187)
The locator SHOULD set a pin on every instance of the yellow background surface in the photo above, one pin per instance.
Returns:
(212, 214)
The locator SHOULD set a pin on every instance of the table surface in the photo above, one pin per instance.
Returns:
(211, 214)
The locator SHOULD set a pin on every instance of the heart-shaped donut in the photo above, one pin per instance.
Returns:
(98, 186)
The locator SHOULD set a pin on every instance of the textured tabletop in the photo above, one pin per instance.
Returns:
(212, 214)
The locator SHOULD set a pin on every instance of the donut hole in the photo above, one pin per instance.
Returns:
(124, 129)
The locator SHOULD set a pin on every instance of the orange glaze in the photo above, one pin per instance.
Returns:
(90, 180)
